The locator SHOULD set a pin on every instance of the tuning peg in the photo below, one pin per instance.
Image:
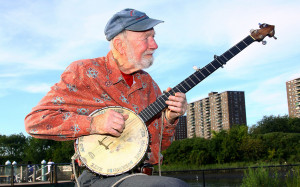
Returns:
(252, 31)
(261, 25)
(264, 42)
(274, 37)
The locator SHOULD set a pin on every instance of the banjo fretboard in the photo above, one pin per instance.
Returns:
(194, 79)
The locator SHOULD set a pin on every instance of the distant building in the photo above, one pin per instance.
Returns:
(180, 132)
(293, 97)
(216, 112)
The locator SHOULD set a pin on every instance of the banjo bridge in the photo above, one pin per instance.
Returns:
(101, 143)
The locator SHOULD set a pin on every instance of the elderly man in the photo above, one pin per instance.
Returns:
(114, 80)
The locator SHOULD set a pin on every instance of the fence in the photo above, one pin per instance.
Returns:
(204, 174)
(23, 173)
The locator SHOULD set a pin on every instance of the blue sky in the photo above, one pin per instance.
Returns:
(39, 39)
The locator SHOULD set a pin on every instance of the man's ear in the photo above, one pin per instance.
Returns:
(119, 45)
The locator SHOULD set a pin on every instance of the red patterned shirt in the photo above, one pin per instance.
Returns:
(88, 85)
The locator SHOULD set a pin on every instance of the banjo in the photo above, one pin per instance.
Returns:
(110, 156)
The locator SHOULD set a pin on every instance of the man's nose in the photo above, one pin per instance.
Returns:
(152, 43)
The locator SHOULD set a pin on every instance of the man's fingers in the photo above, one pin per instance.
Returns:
(125, 116)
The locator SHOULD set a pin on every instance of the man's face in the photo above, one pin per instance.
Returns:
(140, 47)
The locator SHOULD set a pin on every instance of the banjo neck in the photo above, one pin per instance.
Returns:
(201, 74)
(194, 79)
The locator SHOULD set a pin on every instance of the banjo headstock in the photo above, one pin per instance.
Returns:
(265, 30)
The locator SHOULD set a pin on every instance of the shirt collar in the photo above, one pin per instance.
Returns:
(114, 73)
(112, 69)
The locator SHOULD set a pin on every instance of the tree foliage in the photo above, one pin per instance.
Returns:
(22, 149)
(276, 124)
(272, 139)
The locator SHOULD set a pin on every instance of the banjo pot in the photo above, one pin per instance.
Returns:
(109, 155)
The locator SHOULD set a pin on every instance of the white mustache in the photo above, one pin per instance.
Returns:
(149, 52)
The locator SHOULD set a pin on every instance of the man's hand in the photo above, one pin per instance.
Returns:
(111, 122)
(177, 106)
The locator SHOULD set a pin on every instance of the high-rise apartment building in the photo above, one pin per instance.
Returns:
(180, 132)
(216, 112)
(293, 97)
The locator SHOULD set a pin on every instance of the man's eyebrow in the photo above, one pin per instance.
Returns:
(150, 34)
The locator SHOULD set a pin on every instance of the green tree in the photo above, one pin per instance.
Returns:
(12, 147)
(276, 124)
(63, 151)
(215, 146)
(38, 150)
(232, 143)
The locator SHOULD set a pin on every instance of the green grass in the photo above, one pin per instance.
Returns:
(180, 167)
(293, 177)
(271, 177)
(261, 177)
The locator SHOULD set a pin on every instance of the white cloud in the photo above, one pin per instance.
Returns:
(37, 88)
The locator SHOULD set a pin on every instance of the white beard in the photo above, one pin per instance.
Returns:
(144, 63)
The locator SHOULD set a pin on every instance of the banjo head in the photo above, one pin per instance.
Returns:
(108, 155)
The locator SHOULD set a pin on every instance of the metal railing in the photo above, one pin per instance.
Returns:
(206, 172)
(22, 173)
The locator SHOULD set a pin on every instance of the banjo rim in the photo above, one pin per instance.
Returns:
(137, 160)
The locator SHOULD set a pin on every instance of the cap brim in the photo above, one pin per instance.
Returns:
(144, 25)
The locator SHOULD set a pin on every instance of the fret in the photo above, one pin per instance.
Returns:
(177, 89)
(145, 117)
(192, 81)
(196, 76)
(210, 68)
(164, 99)
(231, 53)
(183, 88)
(186, 82)
(199, 75)
(142, 116)
(219, 61)
(238, 48)
(235, 50)
(213, 65)
(150, 110)
(153, 107)
(216, 65)
(207, 70)
(202, 74)
(241, 46)
(147, 114)
(225, 57)
(160, 101)
(223, 62)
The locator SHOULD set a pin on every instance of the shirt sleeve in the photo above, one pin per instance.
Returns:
(168, 133)
(63, 113)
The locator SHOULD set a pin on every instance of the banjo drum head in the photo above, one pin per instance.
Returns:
(108, 155)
